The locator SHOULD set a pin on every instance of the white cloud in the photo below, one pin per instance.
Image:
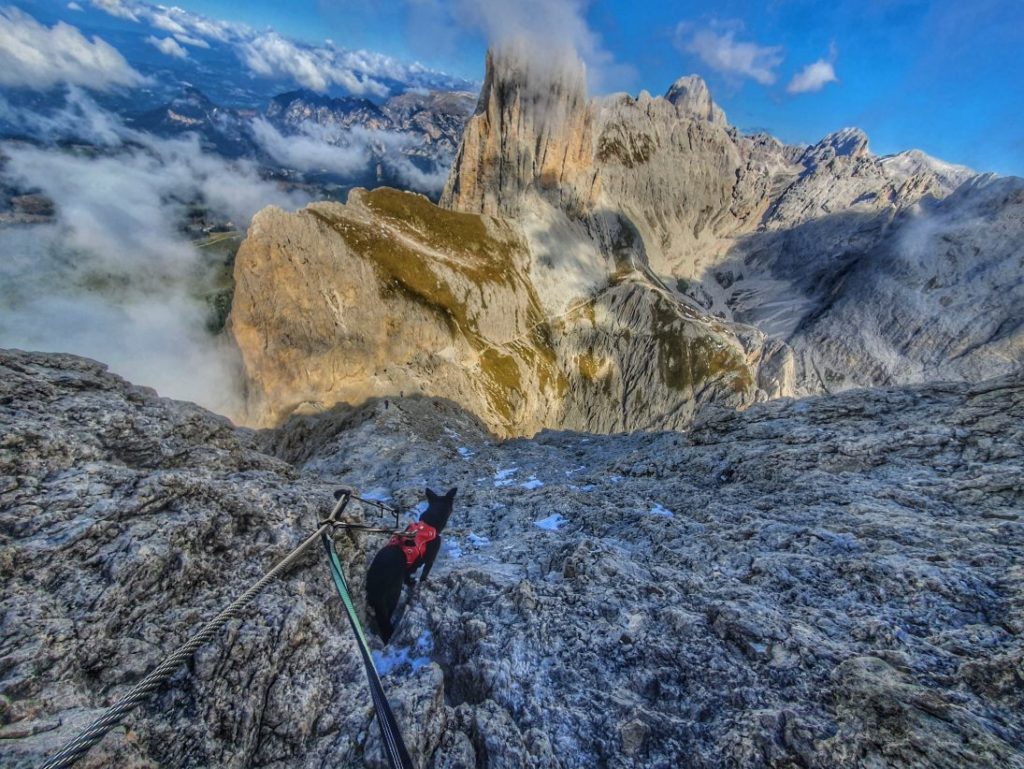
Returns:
(272, 55)
(349, 151)
(161, 20)
(195, 42)
(222, 31)
(116, 8)
(78, 119)
(554, 31)
(414, 177)
(175, 20)
(114, 278)
(318, 69)
(310, 152)
(73, 6)
(168, 45)
(813, 77)
(717, 47)
(35, 56)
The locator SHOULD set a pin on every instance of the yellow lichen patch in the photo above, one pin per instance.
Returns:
(402, 268)
(484, 252)
(504, 385)
(591, 367)
(686, 361)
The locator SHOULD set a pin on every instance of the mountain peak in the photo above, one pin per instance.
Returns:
(847, 142)
(692, 98)
(532, 124)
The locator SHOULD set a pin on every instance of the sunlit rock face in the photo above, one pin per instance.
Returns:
(387, 295)
(638, 260)
(390, 295)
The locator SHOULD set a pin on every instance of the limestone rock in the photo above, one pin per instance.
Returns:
(531, 128)
(829, 250)
(642, 260)
(691, 97)
(126, 521)
(389, 295)
(931, 293)
(832, 581)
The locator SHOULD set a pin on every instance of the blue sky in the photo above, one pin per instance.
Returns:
(945, 77)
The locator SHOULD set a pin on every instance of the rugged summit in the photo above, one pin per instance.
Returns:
(667, 260)
(532, 126)
(297, 108)
(830, 582)
(691, 96)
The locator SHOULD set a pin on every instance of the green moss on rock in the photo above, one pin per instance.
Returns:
(686, 362)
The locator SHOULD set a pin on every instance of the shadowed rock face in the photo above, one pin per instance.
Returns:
(836, 255)
(930, 293)
(830, 582)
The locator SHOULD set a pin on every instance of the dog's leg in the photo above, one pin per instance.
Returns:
(384, 626)
(433, 547)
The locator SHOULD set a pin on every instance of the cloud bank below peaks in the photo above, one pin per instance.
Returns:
(114, 277)
(270, 55)
(35, 56)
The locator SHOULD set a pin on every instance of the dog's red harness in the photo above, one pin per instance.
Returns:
(413, 542)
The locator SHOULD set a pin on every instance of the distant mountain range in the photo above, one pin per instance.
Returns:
(408, 140)
(429, 124)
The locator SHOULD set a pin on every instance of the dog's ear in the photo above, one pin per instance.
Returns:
(431, 496)
(451, 493)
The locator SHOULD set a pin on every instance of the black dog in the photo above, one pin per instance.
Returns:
(394, 565)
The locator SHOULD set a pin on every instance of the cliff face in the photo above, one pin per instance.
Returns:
(532, 130)
(671, 167)
(837, 256)
(638, 260)
(831, 582)
(390, 295)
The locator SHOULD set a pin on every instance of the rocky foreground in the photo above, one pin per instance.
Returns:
(829, 582)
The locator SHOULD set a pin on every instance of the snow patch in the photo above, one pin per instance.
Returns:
(478, 541)
(532, 483)
(378, 494)
(662, 511)
(450, 548)
(551, 523)
(417, 656)
(464, 452)
(504, 477)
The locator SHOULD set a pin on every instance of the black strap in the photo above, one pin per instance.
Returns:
(394, 745)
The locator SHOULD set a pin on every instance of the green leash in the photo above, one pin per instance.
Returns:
(394, 745)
